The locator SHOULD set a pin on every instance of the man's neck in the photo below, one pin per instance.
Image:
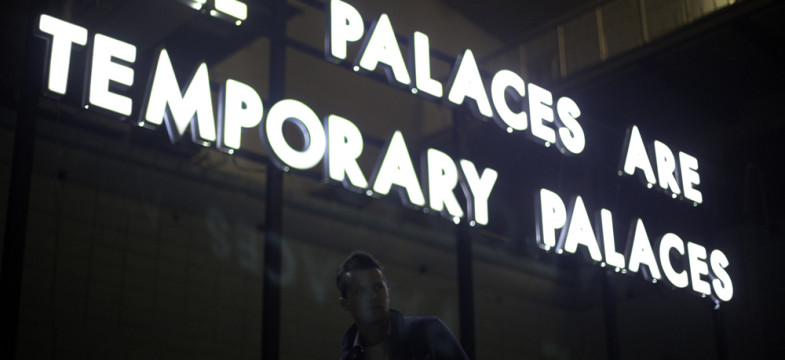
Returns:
(372, 334)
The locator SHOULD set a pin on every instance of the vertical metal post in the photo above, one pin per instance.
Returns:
(609, 312)
(644, 21)
(601, 34)
(720, 339)
(562, 51)
(608, 293)
(464, 262)
(271, 283)
(465, 289)
(19, 189)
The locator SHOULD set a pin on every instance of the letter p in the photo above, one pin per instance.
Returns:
(551, 215)
(345, 25)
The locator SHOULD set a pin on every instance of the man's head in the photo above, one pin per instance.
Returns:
(363, 288)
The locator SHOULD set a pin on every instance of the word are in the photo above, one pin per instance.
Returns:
(706, 274)
(669, 170)
(381, 49)
(338, 142)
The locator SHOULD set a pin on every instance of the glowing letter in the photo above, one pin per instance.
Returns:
(579, 231)
(234, 8)
(346, 25)
(63, 35)
(422, 67)
(442, 179)
(195, 107)
(104, 70)
(242, 108)
(308, 124)
(666, 167)
(698, 267)
(397, 169)
(551, 215)
(571, 136)
(612, 257)
(672, 241)
(382, 47)
(345, 144)
(466, 82)
(690, 177)
(723, 287)
(477, 189)
(641, 252)
(508, 82)
(540, 101)
(636, 156)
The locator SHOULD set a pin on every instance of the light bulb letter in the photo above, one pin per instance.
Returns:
(579, 232)
(103, 70)
(670, 242)
(195, 107)
(64, 34)
(723, 287)
(666, 167)
(696, 254)
(690, 177)
(467, 82)
(636, 157)
(506, 82)
(540, 111)
(442, 180)
(344, 147)
(396, 169)
(641, 253)
(571, 136)
(315, 140)
(477, 189)
(381, 46)
(241, 108)
(551, 216)
(422, 67)
(345, 25)
(612, 257)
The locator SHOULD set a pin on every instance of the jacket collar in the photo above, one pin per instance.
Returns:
(397, 326)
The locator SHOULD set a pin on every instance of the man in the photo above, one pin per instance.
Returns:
(379, 332)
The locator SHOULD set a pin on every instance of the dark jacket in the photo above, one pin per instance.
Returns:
(417, 337)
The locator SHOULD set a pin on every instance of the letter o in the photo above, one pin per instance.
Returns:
(309, 125)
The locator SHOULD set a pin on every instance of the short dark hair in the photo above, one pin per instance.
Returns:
(357, 260)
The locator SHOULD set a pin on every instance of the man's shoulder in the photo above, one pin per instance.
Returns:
(410, 322)
(421, 321)
(421, 327)
(429, 337)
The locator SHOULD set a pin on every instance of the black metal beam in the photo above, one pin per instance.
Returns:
(609, 317)
(273, 224)
(465, 289)
(463, 254)
(19, 189)
(720, 338)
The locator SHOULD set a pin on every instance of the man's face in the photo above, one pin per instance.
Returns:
(367, 296)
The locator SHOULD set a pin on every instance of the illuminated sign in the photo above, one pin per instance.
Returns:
(465, 86)
(651, 259)
(337, 143)
(231, 10)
